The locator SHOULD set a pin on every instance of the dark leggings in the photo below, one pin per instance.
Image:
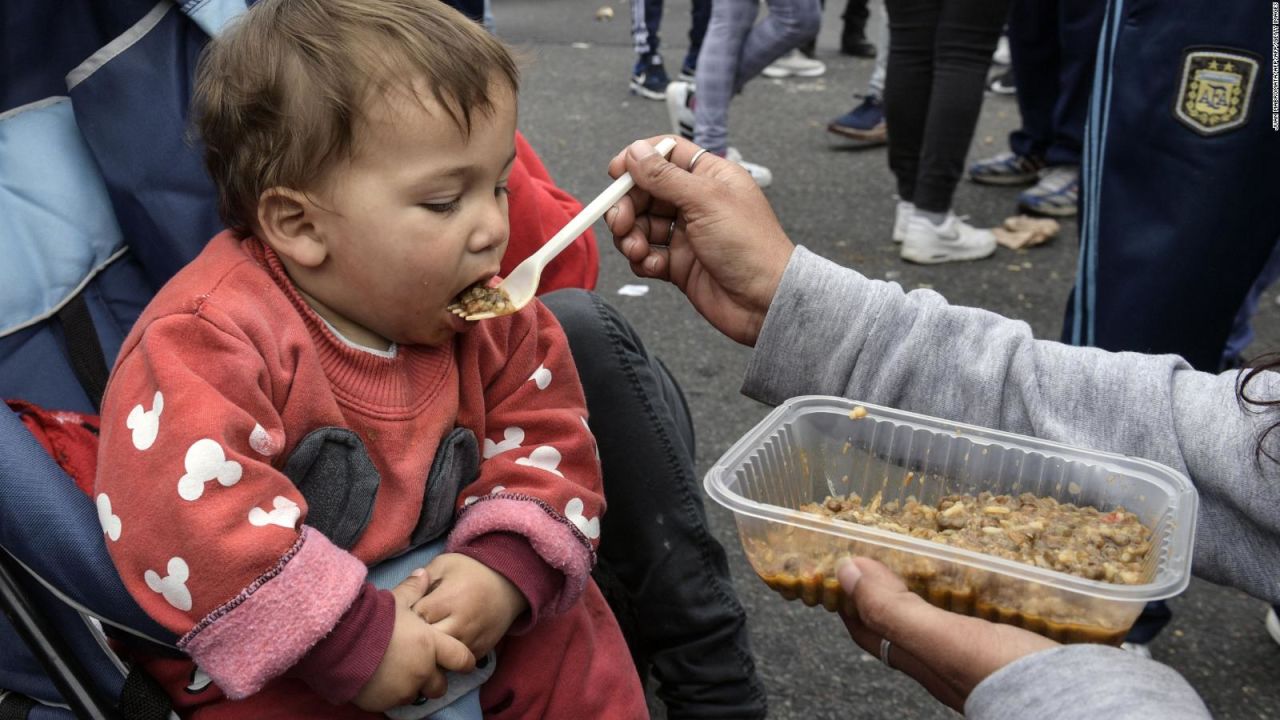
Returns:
(939, 53)
(664, 575)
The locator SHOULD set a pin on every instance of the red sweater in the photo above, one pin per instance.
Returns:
(227, 370)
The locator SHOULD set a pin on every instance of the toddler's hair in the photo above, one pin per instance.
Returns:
(279, 92)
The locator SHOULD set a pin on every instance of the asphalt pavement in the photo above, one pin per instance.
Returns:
(838, 201)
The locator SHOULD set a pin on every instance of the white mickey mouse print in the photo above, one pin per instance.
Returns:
(284, 513)
(511, 439)
(472, 498)
(263, 442)
(541, 377)
(206, 461)
(174, 585)
(145, 424)
(110, 523)
(543, 457)
(589, 527)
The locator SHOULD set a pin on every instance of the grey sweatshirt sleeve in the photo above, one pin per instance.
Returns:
(1093, 681)
(831, 331)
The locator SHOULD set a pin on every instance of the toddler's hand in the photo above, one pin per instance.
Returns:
(470, 601)
(417, 657)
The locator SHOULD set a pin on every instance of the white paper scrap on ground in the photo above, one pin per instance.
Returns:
(634, 290)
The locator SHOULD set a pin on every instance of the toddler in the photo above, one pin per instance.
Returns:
(298, 404)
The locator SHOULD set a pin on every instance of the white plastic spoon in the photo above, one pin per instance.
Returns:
(522, 283)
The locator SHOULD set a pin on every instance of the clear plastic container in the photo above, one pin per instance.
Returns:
(810, 447)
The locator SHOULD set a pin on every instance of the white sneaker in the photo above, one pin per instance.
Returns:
(1139, 649)
(794, 64)
(952, 241)
(901, 217)
(761, 174)
(680, 99)
(1002, 56)
(1273, 624)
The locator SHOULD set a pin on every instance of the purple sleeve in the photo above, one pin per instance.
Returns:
(511, 556)
(338, 667)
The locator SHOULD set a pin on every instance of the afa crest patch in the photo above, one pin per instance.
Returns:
(1215, 90)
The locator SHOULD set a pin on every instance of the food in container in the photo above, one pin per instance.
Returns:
(818, 453)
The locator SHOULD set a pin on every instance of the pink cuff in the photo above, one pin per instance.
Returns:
(556, 540)
(340, 665)
(511, 556)
(271, 624)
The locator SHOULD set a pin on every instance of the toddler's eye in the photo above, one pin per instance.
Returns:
(443, 208)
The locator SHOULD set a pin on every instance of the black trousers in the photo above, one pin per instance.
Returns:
(1053, 43)
(939, 54)
(664, 575)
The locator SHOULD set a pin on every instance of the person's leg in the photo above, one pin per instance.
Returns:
(646, 19)
(912, 27)
(649, 76)
(790, 24)
(966, 36)
(1079, 23)
(682, 611)
(699, 17)
(731, 20)
(855, 17)
(1242, 327)
(876, 85)
(1034, 36)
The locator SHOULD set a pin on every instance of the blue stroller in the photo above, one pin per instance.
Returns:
(102, 199)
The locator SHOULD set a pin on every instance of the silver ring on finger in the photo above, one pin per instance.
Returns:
(671, 232)
(696, 157)
(885, 645)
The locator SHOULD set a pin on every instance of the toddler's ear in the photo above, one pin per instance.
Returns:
(287, 222)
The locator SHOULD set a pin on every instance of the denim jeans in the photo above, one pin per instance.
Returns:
(664, 575)
(939, 53)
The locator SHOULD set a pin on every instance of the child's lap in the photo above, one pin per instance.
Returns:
(575, 665)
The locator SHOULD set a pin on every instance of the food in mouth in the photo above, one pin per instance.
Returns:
(481, 299)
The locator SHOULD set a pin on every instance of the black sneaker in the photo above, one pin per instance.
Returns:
(857, 46)
(649, 79)
(864, 123)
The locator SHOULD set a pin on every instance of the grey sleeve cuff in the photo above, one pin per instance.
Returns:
(1089, 682)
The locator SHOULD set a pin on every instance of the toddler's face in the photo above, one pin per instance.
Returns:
(418, 214)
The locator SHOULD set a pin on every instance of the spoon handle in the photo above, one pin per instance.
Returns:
(594, 210)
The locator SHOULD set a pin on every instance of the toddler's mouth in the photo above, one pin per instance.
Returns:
(481, 298)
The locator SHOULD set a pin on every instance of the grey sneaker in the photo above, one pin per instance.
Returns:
(1006, 169)
(1057, 194)
(761, 174)
(953, 241)
(794, 64)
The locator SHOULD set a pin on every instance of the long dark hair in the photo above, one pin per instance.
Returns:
(1265, 363)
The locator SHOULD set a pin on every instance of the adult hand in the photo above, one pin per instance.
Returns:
(711, 232)
(948, 654)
